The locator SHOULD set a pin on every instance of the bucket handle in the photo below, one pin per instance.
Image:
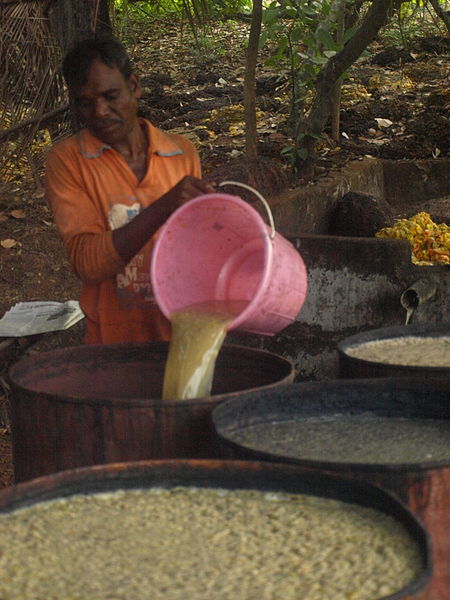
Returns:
(263, 200)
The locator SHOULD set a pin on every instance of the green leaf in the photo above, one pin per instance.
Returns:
(270, 15)
(326, 39)
(309, 11)
(296, 34)
(349, 34)
(273, 61)
(263, 39)
(318, 60)
(310, 69)
(282, 46)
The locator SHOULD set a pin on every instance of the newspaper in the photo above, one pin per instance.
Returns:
(30, 318)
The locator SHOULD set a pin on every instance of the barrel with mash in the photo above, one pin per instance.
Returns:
(99, 404)
(208, 529)
(410, 350)
(393, 432)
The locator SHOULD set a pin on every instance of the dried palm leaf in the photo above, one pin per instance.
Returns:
(31, 86)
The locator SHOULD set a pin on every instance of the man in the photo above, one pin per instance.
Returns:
(111, 186)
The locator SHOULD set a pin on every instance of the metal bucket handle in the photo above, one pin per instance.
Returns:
(263, 200)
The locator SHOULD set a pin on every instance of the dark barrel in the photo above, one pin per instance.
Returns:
(352, 366)
(230, 475)
(424, 487)
(89, 405)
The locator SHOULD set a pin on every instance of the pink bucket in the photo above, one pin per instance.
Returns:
(217, 247)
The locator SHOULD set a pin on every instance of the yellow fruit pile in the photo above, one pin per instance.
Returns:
(430, 242)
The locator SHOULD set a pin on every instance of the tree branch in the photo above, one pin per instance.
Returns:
(314, 124)
(249, 80)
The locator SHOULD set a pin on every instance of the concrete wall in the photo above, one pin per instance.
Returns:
(404, 184)
(308, 209)
(408, 183)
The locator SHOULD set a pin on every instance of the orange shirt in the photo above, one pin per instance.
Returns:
(92, 191)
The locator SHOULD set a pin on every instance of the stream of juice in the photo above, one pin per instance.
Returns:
(198, 333)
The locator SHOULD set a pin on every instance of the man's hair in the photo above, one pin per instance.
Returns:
(78, 60)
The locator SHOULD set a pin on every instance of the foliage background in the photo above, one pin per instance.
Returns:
(33, 103)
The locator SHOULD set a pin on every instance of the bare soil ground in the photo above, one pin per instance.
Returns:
(394, 105)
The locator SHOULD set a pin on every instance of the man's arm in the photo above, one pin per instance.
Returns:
(130, 238)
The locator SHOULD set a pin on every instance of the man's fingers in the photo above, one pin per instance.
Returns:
(192, 187)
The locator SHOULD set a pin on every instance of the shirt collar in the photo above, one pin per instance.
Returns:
(90, 146)
(161, 143)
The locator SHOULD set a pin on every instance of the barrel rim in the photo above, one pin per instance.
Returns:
(384, 333)
(241, 475)
(405, 383)
(157, 403)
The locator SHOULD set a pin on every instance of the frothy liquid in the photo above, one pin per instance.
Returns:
(198, 333)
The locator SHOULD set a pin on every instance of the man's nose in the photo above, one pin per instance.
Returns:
(101, 108)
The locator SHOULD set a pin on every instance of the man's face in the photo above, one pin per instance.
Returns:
(107, 103)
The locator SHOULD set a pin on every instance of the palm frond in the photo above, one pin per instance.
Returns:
(31, 86)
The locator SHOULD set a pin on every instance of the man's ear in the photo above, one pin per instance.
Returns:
(135, 85)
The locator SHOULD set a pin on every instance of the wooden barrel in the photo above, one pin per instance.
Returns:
(351, 366)
(424, 487)
(225, 475)
(89, 405)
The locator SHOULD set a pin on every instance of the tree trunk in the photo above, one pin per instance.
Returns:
(71, 21)
(249, 81)
(441, 13)
(353, 13)
(312, 127)
(336, 94)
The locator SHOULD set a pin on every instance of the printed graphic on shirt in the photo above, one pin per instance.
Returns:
(133, 283)
(121, 214)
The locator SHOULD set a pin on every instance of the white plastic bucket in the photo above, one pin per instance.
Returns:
(216, 247)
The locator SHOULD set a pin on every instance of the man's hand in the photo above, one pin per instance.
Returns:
(188, 188)
(130, 238)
